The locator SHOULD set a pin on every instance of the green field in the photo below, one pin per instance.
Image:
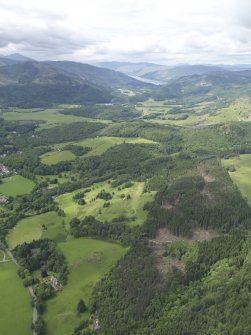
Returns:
(30, 229)
(61, 178)
(242, 176)
(200, 114)
(16, 185)
(100, 145)
(47, 117)
(88, 260)
(15, 306)
(118, 205)
(54, 157)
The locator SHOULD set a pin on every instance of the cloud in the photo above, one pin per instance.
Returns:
(144, 30)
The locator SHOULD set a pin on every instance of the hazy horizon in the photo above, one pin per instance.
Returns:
(150, 31)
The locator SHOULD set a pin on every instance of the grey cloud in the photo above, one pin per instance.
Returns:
(208, 34)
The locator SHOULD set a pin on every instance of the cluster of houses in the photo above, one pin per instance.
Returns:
(3, 199)
(4, 170)
(55, 283)
(96, 325)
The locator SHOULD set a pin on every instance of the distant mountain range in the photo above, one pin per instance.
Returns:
(163, 73)
(133, 69)
(15, 58)
(211, 86)
(28, 83)
(98, 75)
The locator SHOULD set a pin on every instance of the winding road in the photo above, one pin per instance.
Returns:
(30, 289)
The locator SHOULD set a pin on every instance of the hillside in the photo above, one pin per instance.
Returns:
(15, 58)
(19, 58)
(35, 73)
(6, 61)
(213, 84)
(98, 75)
(37, 84)
(133, 69)
(175, 72)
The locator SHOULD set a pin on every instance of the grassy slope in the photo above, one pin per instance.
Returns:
(88, 261)
(198, 114)
(101, 144)
(49, 117)
(16, 185)
(51, 158)
(29, 229)
(15, 306)
(118, 206)
(242, 176)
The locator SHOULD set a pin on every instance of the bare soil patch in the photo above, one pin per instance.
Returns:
(164, 237)
(163, 264)
(207, 194)
(169, 204)
(246, 116)
(207, 178)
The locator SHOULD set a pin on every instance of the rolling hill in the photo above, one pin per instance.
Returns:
(213, 84)
(98, 75)
(175, 72)
(133, 69)
(34, 84)
(38, 84)
(15, 58)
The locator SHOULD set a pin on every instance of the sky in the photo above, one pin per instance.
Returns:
(159, 31)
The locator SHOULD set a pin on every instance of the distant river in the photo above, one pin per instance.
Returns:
(149, 81)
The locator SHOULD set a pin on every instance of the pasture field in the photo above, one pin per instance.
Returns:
(15, 306)
(30, 229)
(54, 157)
(61, 178)
(242, 176)
(200, 114)
(88, 260)
(48, 117)
(99, 145)
(16, 185)
(119, 205)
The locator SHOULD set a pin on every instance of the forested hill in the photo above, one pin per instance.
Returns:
(36, 84)
(140, 69)
(208, 85)
(176, 72)
(15, 58)
(99, 75)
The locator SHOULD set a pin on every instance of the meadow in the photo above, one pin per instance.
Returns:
(47, 117)
(242, 174)
(99, 145)
(15, 307)
(88, 260)
(200, 114)
(16, 185)
(54, 157)
(30, 229)
(119, 204)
